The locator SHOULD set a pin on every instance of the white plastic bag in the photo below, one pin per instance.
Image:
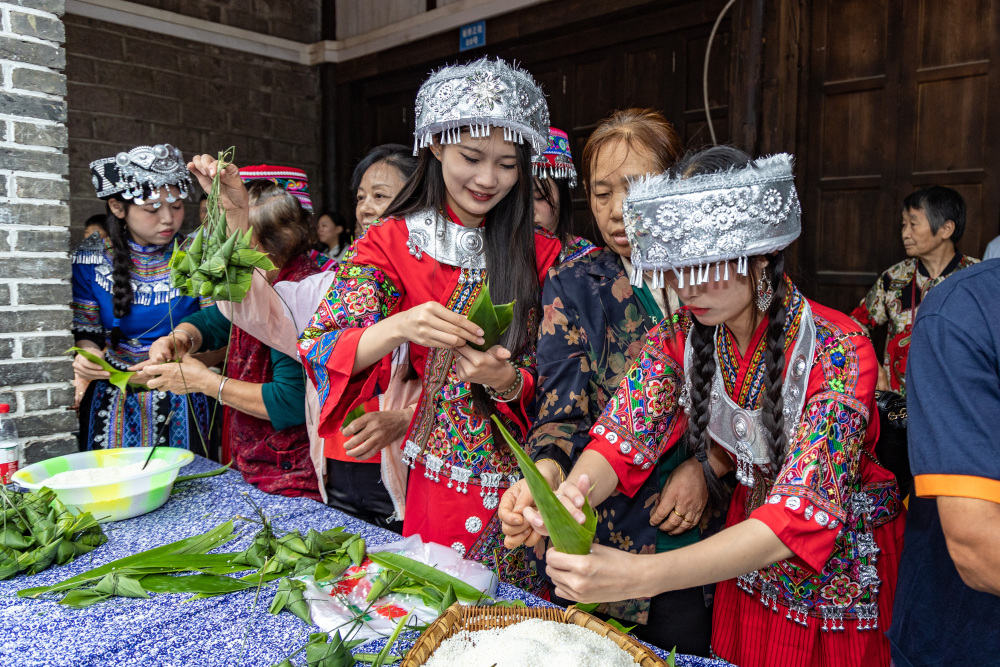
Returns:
(338, 605)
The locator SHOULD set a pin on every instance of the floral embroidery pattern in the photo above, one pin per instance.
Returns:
(358, 297)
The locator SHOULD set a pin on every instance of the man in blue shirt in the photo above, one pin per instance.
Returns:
(947, 609)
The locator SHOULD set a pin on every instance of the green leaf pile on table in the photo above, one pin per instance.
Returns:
(186, 566)
(37, 530)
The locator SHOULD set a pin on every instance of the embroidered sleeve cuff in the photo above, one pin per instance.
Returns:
(329, 361)
(802, 526)
(960, 486)
(631, 467)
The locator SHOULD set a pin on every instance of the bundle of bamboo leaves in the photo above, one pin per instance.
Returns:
(215, 263)
(37, 530)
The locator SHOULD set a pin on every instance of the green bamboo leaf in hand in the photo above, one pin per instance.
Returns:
(567, 535)
(493, 320)
(118, 378)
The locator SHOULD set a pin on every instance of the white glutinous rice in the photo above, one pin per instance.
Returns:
(530, 643)
(97, 476)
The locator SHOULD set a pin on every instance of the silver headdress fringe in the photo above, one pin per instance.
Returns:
(139, 174)
(542, 169)
(479, 96)
(687, 225)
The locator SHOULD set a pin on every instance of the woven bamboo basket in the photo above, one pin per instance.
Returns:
(459, 617)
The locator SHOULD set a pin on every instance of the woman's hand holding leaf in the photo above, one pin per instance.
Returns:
(602, 575)
(489, 368)
(516, 529)
(187, 376)
(86, 369)
(232, 193)
(432, 325)
(572, 497)
(166, 348)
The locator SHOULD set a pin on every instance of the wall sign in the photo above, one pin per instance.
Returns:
(472, 36)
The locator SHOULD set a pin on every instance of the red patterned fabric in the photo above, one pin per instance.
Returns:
(831, 503)
(273, 461)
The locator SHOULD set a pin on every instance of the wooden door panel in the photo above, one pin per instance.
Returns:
(844, 298)
(852, 230)
(593, 91)
(695, 130)
(649, 74)
(718, 71)
(954, 31)
(950, 130)
(856, 35)
(853, 133)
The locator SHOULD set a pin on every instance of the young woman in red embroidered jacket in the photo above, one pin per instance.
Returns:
(464, 219)
(748, 375)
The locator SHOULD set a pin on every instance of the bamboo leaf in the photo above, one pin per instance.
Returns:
(352, 415)
(356, 550)
(486, 316)
(383, 655)
(449, 598)
(119, 585)
(335, 653)
(567, 535)
(428, 574)
(196, 544)
(380, 586)
(82, 597)
(618, 626)
(291, 596)
(200, 475)
(118, 377)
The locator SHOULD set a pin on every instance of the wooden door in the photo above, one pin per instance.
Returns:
(899, 97)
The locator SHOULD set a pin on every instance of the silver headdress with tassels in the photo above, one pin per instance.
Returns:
(481, 95)
(687, 225)
(139, 174)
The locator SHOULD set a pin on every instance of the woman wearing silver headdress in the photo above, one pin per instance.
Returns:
(555, 178)
(748, 375)
(465, 216)
(123, 301)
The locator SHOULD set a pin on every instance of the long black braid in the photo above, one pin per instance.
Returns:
(772, 408)
(122, 269)
(702, 371)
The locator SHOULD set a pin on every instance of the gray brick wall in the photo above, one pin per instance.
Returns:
(128, 87)
(34, 227)
(297, 20)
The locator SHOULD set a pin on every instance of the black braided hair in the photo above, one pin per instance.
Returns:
(773, 404)
(702, 372)
(122, 269)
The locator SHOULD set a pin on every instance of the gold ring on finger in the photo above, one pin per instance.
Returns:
(683, 518)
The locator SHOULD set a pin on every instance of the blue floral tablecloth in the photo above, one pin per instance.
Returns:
(231, 630)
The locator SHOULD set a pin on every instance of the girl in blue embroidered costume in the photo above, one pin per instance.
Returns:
(122, 301)
(750, 376)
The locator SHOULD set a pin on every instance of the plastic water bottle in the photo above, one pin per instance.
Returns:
(10, 450)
